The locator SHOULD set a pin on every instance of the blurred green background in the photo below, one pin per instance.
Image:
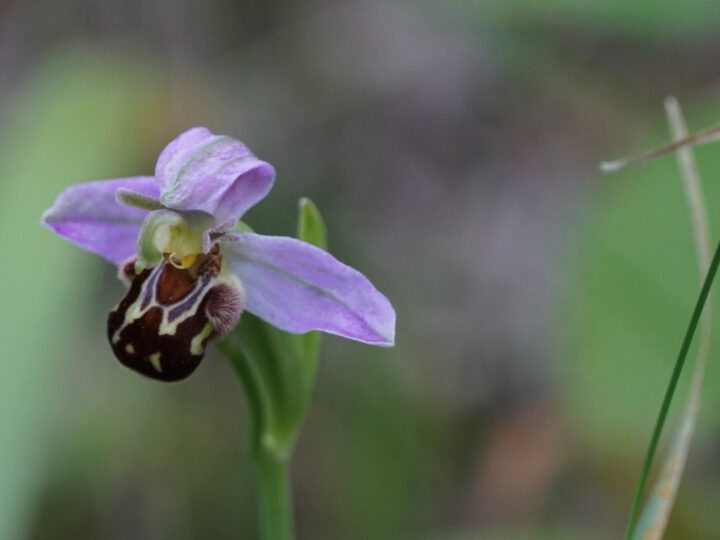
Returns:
(452, 146)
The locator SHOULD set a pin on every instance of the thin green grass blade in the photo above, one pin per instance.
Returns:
(655, 515)
(670, 392)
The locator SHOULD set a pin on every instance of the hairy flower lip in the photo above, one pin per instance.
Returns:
(288, 283)
(168, 316)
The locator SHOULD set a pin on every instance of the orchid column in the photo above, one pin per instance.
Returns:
(192, 270)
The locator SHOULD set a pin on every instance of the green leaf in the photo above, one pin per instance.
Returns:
(311, 229)
(311, 226)
(242, 227)
(277, 368)
(76, 109)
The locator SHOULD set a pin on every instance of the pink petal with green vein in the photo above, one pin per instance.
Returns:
(299, 287)
(213, 173)
(89, 216)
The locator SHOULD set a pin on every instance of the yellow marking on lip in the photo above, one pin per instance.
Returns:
(182, 262)
(196, 347)
(155, 361)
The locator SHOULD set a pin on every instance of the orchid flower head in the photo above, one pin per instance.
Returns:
(191, 273)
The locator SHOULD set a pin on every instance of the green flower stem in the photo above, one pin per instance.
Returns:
(670, 392)
(275, 499)
(271, 467)
(278, 372)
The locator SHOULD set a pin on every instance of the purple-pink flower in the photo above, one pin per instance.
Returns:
(191, 273)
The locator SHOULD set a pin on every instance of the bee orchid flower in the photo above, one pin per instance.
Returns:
(191, 272)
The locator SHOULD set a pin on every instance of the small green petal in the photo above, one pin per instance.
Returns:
(128, 197)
